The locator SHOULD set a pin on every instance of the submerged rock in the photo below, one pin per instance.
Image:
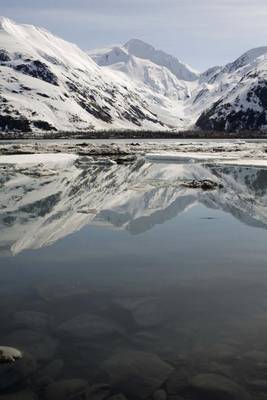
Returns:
(41, 346)
(32, 320)
(219, 352)
(218, 387)
(147, 312)
(89, 327)
(221, 369)
(53, 368)
(9, 354)
(55, 292)
(117, 397)
(160, 394)
(66, 390)
(258, 385)
(177, 382)
(100, 391)
(21, 395)
(136, 374)
(15, 373)
(255, 356)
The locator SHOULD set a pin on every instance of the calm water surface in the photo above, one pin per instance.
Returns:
(120, 275)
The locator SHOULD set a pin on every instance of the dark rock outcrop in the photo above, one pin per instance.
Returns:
(39, 70)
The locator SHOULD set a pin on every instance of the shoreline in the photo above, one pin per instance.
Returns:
(239, 152)
(135, 135)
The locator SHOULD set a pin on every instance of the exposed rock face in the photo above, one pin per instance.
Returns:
(39, 70)
(12, 123)
(135, 373)
(4, 56)
(43, 125)
(242, 108)
(223, 117)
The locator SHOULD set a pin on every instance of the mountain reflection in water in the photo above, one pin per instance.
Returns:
(40, 208)
(121, 281)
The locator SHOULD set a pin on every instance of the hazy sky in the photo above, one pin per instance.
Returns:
(201, 33)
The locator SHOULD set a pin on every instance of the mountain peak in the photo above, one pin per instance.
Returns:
(138, 45)
(4, 22)
(16, 29)
(8, 24)
(141, 49)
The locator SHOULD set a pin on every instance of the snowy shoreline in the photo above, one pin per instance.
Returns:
(53, 160)
(64, 153)
(206, 158)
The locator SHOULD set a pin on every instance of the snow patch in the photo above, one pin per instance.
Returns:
(53, 160)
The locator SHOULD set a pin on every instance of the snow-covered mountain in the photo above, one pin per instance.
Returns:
(144, 51)
(163, 80)
(239, 94)
(42, 205)
(47, 83)
(230, 97)
(157, 78)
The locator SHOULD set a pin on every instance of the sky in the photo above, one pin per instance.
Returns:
(202, 33)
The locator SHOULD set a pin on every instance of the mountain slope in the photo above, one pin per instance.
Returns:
(47, 83)
(242, 100)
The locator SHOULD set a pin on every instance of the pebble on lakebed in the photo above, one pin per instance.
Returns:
(9, 354)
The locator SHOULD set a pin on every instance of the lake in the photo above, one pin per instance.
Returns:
(124, 281)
